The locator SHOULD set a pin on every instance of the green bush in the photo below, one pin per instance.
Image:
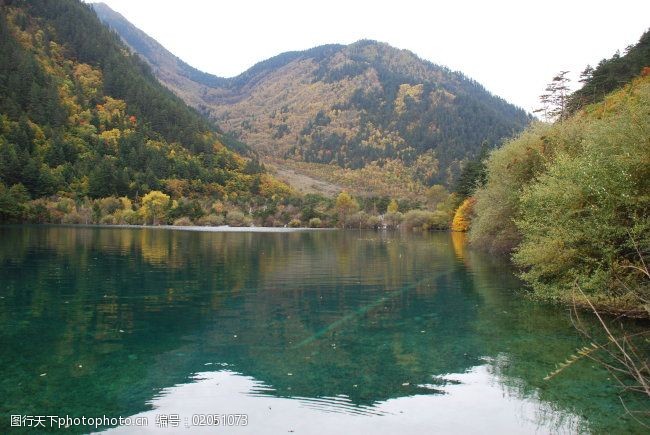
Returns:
(572, 201)
(236, 218)
(109, 205)
(13, 203)
(509, 170)
(106, 220)
(65, 205)
(358, 220)
(211, 220)
(374, 222)
(131, 217)
(419, 220)
(36, 211)
(393, 219)
(581, 219)
(183, 221)
(72, 218)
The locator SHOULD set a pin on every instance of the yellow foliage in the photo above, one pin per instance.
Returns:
(271, 187)
(415, 92)
(440, 97)
(217, 146)
(345, 206)
(111, 137)
(155, 144)
(125, 203)
(154, 206)
(177, 188)
(426, 166)
(218, 207)
(380, 139)
(56, 52)
(462, 218)
(112, 111)
(387, 178)
(393, 207)
(89, 79)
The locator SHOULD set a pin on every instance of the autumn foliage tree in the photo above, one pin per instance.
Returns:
(155, 206)
(462, 217)
(345, 207)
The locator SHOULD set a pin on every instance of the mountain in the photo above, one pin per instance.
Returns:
(180, 77)
(346, 106)
(81, 116)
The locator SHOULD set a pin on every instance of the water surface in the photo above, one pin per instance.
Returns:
(304, 332)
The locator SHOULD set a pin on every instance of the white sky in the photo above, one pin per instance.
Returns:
(513, 48)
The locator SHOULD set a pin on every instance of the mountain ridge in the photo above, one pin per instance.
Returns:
(112, 18)
(345, 106)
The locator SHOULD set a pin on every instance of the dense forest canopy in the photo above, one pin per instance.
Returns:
(81, 114)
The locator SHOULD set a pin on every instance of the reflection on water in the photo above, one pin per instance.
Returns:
(468, 402)
(302, 331)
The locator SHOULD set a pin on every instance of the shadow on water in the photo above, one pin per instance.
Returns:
(99, 321)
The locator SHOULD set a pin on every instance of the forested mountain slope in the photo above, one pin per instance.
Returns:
(81, 115)
(349, 106)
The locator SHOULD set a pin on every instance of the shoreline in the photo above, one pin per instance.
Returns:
(197, 228)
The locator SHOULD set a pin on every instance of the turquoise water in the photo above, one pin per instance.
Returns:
(303, 332)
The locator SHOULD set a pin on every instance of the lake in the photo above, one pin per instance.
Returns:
(295, 332)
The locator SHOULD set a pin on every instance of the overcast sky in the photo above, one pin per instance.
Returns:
(513, 48)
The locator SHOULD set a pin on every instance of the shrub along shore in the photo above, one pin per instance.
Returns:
(159, 208)
(570, 203)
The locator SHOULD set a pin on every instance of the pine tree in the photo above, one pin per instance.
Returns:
(554, 100)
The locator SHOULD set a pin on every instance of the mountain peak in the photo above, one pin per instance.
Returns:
(346, 105)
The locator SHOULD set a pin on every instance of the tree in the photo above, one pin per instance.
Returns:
(12, 202)
(611, 74)
(345, 207)
(554, 101)
(155, 205)
(462, 217)
(101, 180)
(392, 220)
(570, 201)
(587, 74)
(436, 194)
(393, 207)
(236, 218)
(473, 174)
